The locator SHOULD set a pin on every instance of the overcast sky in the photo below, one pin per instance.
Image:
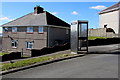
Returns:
(67, 11)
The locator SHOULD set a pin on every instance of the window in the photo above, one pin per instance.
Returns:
(30, 29)
(14, 29)
(67, 31)
(40, 30)
(29, 45)
(5, 29)
(14, 43)
(105, 26)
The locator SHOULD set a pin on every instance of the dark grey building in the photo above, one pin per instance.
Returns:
(34, 31)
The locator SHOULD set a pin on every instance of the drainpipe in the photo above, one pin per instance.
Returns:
(119, 22)
(119, 27)
(22, 53)
(48, 45)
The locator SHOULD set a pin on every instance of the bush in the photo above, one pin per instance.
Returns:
(35, 52)
(11, 56)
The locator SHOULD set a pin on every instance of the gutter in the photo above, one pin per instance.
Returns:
(110, 10)
(38, 25)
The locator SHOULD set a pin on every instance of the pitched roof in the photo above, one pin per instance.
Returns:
(111, 8)
(32, 19)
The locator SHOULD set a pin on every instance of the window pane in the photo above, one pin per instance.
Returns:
(14, 29)
(29, 45)
(26, 44)
(40, 29)
(29, 29)
(83, 30)
(5, 29)
(14, 43)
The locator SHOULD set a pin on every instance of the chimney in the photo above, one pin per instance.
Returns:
(38, 10)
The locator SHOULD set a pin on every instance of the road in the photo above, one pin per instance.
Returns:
(89, 66)
(104, 48)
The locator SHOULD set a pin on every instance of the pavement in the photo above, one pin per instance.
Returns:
(92, 49)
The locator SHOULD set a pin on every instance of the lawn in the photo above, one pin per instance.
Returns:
(94, 37)
(7, 66)
(1, 54)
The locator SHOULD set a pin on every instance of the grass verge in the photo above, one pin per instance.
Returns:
(94, 37)
(7, 66)
(1, 54)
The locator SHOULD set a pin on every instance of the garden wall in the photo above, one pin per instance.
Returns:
(101, 32)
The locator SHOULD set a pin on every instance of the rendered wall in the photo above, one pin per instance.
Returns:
(110, 19)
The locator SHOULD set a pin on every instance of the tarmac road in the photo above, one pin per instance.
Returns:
(104, 48)
(89, 66)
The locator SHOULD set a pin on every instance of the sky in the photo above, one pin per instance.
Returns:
(67, 11)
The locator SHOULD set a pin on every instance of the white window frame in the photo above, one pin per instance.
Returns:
(28, 30)
(14, 43)
(14, 29)
(40, 29)
(28, 44)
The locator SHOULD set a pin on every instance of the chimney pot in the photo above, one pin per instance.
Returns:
(38, 10)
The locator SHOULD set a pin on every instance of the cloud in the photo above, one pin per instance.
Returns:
(11, 19)
(4, 18)
(74, 13)
(54, 13)
(99, 7)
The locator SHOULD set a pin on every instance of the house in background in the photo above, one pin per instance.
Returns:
(109, 22)
(110, 18)
(35, 30)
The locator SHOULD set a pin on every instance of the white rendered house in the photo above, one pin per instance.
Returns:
(110, 18)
